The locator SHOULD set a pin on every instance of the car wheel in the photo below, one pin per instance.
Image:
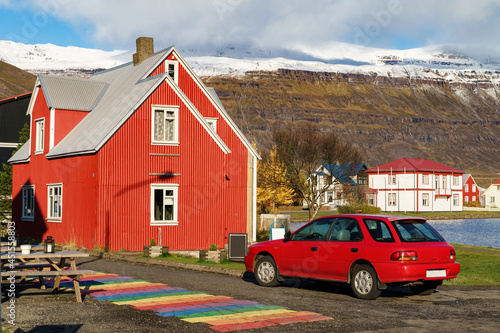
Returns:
(424, 289)
(266, 272)
(364, 282)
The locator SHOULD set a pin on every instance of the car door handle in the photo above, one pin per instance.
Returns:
(314, 249)
(354, 250)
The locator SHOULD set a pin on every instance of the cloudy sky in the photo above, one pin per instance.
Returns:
(201, 24)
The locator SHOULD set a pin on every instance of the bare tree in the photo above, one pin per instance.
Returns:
(303, 149)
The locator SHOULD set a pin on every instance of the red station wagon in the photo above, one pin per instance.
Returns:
(370, 252)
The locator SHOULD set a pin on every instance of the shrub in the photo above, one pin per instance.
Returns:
(473, 204)
(262, 235)
(365, 209)
(213, 247)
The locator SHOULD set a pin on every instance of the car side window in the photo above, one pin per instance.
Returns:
(345, 229)
(316, 230)
(379, 230)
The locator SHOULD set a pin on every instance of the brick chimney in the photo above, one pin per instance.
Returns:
(145, 48)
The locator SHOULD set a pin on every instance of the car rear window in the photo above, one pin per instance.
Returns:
(379, 231)
(416, 231)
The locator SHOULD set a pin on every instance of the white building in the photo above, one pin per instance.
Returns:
(415, 185)
(492, 195)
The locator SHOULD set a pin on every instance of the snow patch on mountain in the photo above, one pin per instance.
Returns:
(434, 62)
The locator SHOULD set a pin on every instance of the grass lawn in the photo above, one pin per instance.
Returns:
(187, 260)
(478, 266)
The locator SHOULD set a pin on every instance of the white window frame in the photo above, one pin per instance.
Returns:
(175, 198)
(39, 135)
(473, 188)
(456, 200)
(213, 123)
(176, 69)
(392, 180)
(28, 213)
(466, 189)
(425, 199)
(425, 179)
(456, 182)
(54, 214)
(165, 109)
(389, 199)
(473, 198)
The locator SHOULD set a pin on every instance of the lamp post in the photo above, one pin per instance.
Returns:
(49, 245)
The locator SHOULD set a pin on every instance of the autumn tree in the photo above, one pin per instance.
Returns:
(273, 187)
(303, 149)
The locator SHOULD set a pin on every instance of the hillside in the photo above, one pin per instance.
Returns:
(14, 81)
(457, 124)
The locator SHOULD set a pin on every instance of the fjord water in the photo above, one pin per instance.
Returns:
(479, 232)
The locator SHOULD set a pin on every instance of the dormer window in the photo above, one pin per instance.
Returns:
(171, 67)
(40, 132)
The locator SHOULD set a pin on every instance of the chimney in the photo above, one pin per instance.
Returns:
(145, 48)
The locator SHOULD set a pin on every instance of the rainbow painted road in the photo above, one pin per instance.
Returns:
(223, 314)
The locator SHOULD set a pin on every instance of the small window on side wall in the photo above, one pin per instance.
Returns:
(164, 199)
(28, 203)
(54, 209)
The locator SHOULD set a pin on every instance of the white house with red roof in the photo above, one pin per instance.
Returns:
(492, 195)
(415, 185)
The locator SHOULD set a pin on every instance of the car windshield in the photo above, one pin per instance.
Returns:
(416, 231)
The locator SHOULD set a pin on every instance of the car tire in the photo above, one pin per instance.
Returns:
(364, 282)
(425, 289)
(266, 272)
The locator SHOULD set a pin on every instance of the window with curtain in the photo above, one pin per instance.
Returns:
(165, 125)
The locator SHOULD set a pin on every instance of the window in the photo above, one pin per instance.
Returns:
(345, 229)
(444, 181)
(371, 200)
(425, 179)
(492, 200)
(40, 131)
(316, 230)
(467, 199)
(425, 199)
(466, 188)
(455, 200)
(473, 198)
(392, 180)
(362, 180)
(379, 230)
(164, 199)
(171, 67)
(165, 125)
(54, 211)
(392, 199)
(28, 203)
(474, 188)
(213, 123)
(455, 180)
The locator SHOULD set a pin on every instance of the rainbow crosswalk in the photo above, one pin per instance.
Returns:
(222, 313)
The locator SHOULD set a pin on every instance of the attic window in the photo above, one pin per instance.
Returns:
(171, 67)
(40, 132)
(213, 123)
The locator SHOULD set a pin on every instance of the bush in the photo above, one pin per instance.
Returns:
(473, 204)
(263, 235)
(365, 209)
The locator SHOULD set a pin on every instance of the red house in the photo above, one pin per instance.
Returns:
(138, 152)
(471, 190)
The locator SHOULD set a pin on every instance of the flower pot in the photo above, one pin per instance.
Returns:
(26, 249)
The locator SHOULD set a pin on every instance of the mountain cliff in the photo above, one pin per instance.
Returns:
(457, 124)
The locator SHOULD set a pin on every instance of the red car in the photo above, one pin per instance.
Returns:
(370, 252)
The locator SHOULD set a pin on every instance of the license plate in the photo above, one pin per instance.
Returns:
(436, 273)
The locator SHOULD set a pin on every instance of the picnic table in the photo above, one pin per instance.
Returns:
(18, 264)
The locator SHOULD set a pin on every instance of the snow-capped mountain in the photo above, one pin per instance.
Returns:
(435, 62)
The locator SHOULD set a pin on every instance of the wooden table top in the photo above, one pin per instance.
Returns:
(42, 255)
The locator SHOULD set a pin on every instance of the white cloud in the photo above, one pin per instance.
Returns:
(280, 23)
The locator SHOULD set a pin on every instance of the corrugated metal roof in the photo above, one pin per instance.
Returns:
(68, 93)
(22, 155)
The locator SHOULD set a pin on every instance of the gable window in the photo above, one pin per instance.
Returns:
(171, 67)
(213, 123)
(164, 198)
(425, 179)
(392, 180)
(425, 199)
(28, 203)
(392, 199)
(54, 211)
(165, 124)
(40, 131)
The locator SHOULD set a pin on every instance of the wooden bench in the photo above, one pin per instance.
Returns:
(73, 274)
